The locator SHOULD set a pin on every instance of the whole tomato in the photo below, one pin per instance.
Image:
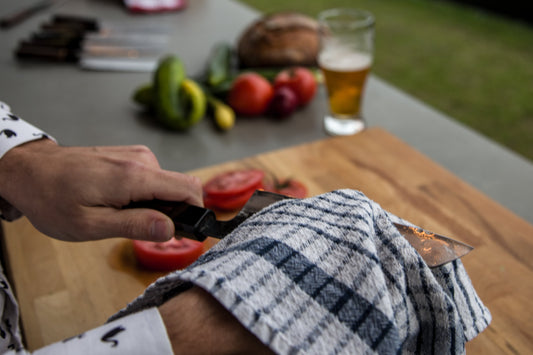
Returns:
(301, 80)
(250, 94)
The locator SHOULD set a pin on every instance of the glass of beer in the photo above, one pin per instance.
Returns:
(345, 58)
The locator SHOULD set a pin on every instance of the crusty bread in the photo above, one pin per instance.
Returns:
(279, 40)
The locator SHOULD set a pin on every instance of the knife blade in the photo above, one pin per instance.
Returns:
(198, 223)
(435, 249)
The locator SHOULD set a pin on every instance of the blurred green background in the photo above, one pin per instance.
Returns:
(474, 66)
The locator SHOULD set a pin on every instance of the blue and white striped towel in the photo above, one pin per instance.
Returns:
(331, 275)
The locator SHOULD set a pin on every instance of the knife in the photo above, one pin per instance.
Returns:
(198, 223)
(435, 249)
(96, 45)
(21, 15)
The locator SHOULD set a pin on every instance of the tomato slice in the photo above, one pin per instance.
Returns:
(233, 183)
(167, 256)
(229, 203)
(289, 187)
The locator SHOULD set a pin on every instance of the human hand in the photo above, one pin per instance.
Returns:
(77, 193)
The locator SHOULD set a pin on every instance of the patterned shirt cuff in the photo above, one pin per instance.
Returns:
(14, 131)
(140, 333)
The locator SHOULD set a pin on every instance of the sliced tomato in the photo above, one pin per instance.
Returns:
(230, 190)
(233, 183)
(167, 256)
(289, 187)
(230, 203)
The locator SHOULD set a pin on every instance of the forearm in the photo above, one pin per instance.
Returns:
(15, 167)
(14, 133)
(197, 324)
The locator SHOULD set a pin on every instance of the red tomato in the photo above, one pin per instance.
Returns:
(229, 203)
(301, 80)
(234, 182)
(288, 187)
(167, 256)
(230, 190)
(250, 94)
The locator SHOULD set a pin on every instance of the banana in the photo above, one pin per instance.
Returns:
(195, 101)
(223, 115)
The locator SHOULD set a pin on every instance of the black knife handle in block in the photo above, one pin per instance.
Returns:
(190, 221)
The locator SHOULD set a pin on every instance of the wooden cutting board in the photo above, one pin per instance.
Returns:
(67, 288)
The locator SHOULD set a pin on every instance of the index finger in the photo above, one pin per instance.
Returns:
(170, 186)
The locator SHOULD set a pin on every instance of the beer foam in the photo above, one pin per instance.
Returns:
(339, 59)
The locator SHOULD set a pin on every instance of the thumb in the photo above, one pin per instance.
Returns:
(139, 223)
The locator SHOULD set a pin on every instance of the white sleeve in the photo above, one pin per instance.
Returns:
(137, 334)
(14, 131)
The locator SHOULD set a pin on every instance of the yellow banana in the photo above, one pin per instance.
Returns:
(223, 115)
(196, 101)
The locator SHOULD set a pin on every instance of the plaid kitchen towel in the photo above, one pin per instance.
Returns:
(331, 275)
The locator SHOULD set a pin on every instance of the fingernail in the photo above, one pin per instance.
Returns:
(161, 231)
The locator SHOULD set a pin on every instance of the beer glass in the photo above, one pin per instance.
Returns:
(345, 59)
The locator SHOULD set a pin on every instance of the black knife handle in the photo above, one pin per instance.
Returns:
(190, 221)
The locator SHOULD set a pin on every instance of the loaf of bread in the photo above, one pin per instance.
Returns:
(280, 40)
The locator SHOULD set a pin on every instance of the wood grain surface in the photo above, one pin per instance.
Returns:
(67, 288)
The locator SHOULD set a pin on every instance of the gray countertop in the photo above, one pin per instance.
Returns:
(81, 107)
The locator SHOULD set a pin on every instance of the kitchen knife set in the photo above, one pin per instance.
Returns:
(95, 45)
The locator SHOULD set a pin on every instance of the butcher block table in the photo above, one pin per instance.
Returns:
(66, 288)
